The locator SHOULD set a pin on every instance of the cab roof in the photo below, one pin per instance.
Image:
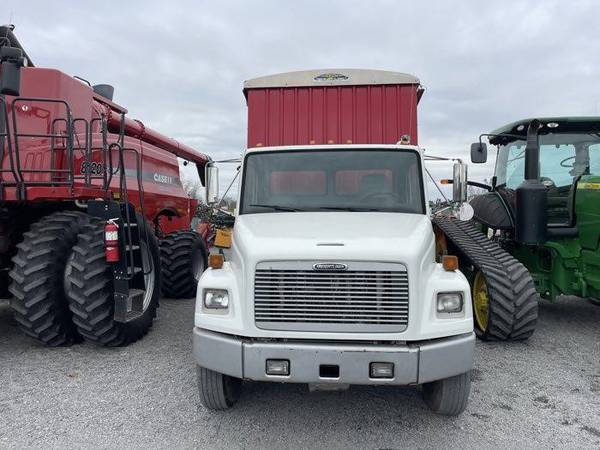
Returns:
(336, 147)
(330, 77)
(590, 124)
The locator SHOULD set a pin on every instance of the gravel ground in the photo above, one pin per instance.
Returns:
(543, 393)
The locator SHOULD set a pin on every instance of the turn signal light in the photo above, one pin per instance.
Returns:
(223, 238)
(445, 181)
(216, 260)
(450, 263)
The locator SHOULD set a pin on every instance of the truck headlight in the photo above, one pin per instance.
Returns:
(449, 302)
(216, 299)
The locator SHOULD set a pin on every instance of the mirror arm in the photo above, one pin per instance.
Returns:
(487, 187)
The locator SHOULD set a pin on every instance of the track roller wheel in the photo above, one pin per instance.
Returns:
(37, 278)
(183, 260)
(90, 289)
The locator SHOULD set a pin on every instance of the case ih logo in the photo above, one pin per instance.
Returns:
(330, 267)
(166, 179)
(331, 77)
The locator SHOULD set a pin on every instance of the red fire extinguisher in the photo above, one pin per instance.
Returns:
(111, 241)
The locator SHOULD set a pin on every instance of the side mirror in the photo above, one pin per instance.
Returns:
(10, 78)
(459, 183)
(478, 153)
(212, 184)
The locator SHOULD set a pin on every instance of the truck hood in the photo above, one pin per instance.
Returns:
(332, 235)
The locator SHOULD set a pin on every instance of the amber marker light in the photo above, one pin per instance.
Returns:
(450, 263)
(215, 261)
(223, 238)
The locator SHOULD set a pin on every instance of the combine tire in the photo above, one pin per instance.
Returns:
(183, 260)
(505, 302)
(39, 302)
(217, 391)
(90, 290)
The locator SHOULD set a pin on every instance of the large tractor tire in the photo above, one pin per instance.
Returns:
(183, 260)
(37, 278)
(90, 289)
(505, 301)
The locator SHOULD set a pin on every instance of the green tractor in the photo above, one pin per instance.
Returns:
(539, 222)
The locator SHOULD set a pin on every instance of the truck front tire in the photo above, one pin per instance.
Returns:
(37, 278)
(217, 391)
(449, 396)
(183, 257)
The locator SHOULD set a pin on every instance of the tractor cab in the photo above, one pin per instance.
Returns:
(569, 149)
(544, 202)
(565, 153)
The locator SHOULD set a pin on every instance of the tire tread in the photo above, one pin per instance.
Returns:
(37, 276)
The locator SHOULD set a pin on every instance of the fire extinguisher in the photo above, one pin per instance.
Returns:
(111, 241)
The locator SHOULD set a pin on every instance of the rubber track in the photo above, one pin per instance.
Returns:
(513, 308)
(40, 307)
(176, 254)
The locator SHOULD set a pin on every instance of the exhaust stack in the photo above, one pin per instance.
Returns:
(531, 214)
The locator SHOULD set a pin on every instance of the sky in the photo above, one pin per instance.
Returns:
(179, 66)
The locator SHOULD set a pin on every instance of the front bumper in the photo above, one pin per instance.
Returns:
(413, 363)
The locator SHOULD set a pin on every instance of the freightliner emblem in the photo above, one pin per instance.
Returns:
(330, 266)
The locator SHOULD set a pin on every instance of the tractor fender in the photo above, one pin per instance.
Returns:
(491, 210)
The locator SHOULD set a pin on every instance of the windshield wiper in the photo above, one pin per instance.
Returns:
(346, 208)
(276, 207)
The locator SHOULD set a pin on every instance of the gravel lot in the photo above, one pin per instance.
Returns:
(544, 393)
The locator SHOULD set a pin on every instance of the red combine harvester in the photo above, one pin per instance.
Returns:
(93, 215)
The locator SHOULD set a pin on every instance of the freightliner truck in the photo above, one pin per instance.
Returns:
(331, 278)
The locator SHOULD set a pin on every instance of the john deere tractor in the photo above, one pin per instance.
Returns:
(541, 213)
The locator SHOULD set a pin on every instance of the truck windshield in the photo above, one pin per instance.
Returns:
(332, 180)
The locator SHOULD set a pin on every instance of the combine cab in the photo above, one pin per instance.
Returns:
(92, 209)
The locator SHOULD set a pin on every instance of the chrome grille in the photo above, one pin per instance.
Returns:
(365, 297)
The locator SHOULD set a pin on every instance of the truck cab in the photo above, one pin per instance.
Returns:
(331, 279)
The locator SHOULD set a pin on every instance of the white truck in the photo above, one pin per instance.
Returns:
(331, 278)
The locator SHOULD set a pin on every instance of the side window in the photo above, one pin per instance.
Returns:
(515, 165)
(190, 180)
(595, 159)
(556, 163)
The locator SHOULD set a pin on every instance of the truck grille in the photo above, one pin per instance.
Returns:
(365, 297)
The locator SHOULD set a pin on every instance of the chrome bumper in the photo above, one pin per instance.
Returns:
(413, 363)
